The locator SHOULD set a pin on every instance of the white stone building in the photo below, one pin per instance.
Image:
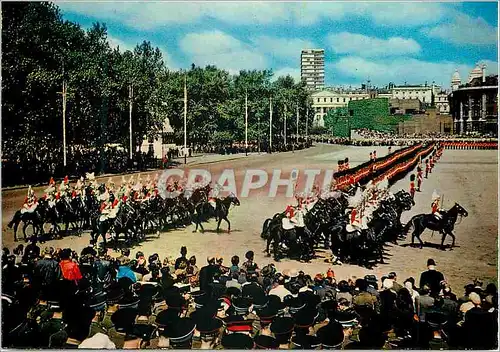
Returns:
(326, 100)
(420, 92)
(442, 103)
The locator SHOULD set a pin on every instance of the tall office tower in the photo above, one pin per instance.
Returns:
(312, 68)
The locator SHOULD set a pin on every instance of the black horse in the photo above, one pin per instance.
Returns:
(34, 219)
(204, 211)
(444, 226)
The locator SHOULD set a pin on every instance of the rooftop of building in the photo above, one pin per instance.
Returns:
(491, 80)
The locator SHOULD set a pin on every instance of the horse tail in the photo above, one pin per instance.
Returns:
(265, 229)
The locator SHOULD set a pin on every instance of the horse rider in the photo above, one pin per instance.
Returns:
(79, 186)
(436, 198)
(290, 220)
(30, 202)
(64, 187)
(50, 193)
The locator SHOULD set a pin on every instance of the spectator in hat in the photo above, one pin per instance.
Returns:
(250, 266)
(124, 269)
(279, 289)
(364, 298)
(182, 262)
(424, 303)
(431, 278)
(69, 269)
(46, 271)
(207, 273)
(344, 291)
(234, 268)
(395, 284)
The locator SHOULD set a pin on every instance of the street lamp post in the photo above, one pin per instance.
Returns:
(185, 120)
(246, 122)
(270, 124)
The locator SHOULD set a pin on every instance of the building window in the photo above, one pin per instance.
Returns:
(318, 100)
(324, 100)
(344, 100)
(331, 100)
(338, 99)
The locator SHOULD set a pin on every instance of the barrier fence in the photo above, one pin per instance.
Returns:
(470, 145)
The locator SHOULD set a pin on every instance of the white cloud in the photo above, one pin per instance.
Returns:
(285, 71)
(287, 48)
(151, 15)
(118, 43)
(465, 30)
(220, 49)
(357, 44)
(402, 70)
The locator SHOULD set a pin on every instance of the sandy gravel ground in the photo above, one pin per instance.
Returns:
(467, 177)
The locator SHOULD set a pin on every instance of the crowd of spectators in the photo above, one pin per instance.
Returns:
(55, 298)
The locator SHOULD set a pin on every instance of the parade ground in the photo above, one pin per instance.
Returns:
(468, 177)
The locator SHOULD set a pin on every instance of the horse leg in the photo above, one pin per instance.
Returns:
(443, 233)
(16, 225)
(228, 224)
(218, 224)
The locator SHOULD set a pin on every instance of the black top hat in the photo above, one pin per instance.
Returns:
(208, 326)
(305, 318)
(329, 306)
(347, 318)
(264, 342)
(275, 302)
(282, 325)
(197, 293)
(98, 301)
(148, 292)
(115, 293)
(237, 323)
(174, 301)
(143, 331)
(123, 319)
(128, 301)
(237, 342)
(201, 300)
(233, 291)
(304, 342)
(125, 283)
(295, 304)
(331, 335)
(166, 317)
(267, 314)
(241, 305)
(144, 308)
(260, 301)
(180, 332)
(310, 299)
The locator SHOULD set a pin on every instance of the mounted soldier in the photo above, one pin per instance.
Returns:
(435, 206)
(50, 193)
(64, 187)
(30, 202)
(290, 220)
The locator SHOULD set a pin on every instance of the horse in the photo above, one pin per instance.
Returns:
(444, 226)
(34, 218)
(205, 211)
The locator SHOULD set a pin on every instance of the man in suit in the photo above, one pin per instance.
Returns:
(431, 278)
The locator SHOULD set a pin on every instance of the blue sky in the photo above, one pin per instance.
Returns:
(384, 42)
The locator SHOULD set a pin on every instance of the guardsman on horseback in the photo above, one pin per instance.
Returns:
(64, 187)
(50, 193)
(436, 198)
(412, 186)
(290, 220)
(30, 202)
(78, 189)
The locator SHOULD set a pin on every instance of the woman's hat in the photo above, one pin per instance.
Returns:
(237, 341)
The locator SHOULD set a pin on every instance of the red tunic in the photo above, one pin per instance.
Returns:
(412, 187)
(434, 207)
(70, 270)
(289, 211)
(354, 213)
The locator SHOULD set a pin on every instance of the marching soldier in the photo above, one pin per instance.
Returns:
(412, 186)
(346, 164)
(427, 167)
(419, 178)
